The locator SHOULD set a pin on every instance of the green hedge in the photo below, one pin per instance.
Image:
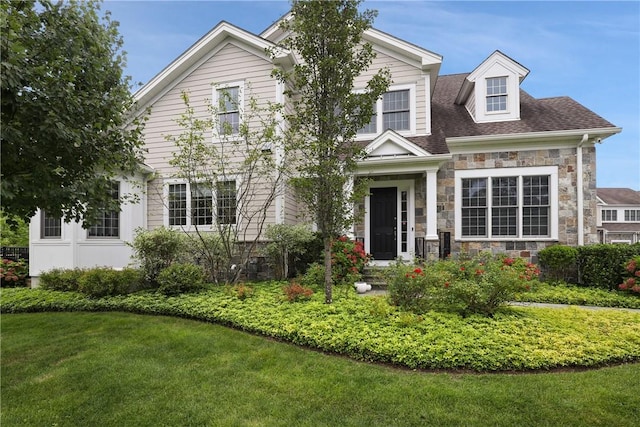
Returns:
(602, 266)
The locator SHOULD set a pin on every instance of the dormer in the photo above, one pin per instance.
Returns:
(491, 93)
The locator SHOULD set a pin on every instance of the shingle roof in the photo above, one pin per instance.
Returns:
(536, 115)
(619, 196)
(621, 227)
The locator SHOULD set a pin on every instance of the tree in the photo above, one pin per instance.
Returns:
(65, 123)
(233, 180)
(327, 112)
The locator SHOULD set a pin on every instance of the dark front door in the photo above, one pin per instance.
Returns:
(384, 208)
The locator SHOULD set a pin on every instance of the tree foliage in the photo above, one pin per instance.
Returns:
(327, 110)
(250, 157)
(65, 128)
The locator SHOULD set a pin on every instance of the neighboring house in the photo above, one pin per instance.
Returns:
(464, 162)
(618, 215)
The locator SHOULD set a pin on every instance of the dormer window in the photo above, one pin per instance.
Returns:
(496, 94)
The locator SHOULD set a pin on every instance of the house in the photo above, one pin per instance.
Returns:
(466, 162)
(618, 215)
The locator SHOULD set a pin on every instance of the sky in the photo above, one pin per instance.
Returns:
(587, 50)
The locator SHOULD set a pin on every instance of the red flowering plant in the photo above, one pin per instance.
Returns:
(631, 282)
(348, 260)
(468, 285)
(13, 273)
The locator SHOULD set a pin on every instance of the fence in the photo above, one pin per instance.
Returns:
(15, 253)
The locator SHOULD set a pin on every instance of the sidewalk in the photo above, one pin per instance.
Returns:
(378, 292)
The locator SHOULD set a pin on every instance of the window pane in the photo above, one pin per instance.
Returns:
(474, 222)
(497, 94)
(178, 204)
(535, 221)
(474, 192)
(108, 224)
(371, 127)
(201, 205)
(51, 227)
(226, 202)
(535, 190)
(504, 221)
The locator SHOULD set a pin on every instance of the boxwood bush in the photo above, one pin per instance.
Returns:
(602, 266)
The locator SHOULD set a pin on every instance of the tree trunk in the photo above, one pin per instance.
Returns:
(328, 298)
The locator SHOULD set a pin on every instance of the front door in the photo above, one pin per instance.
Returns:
(384, 220)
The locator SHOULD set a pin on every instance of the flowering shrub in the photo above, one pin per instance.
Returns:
(631, 281)
(296, 292)
(478, 285)
(13, 273)
(242, 291)
(348, 259)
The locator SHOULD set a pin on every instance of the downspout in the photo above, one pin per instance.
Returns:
(579, 184)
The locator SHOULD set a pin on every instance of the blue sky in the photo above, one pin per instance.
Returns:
(588, 50)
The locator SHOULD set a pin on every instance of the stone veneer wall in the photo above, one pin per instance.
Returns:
(565, 159)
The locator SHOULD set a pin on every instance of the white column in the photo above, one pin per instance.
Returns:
(432, 205)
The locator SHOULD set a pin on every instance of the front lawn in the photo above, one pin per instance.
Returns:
(120, 369)
(516, 338)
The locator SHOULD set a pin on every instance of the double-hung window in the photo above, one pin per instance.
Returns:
(108, 223)
(609, 215)
(50, 226)
(228, 102)
(496, 94)
(395, 110)
(504, 204)
(194, 204)
(632, 215)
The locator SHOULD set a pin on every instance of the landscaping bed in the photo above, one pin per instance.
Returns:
(369, 329)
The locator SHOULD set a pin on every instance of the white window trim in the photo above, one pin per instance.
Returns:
(551, 171)
(604, 213)
(412, 113)
(221, 86)
(214, 206)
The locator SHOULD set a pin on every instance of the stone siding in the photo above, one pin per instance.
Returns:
(565, 159)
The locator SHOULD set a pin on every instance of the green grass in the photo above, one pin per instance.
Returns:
(118, 369)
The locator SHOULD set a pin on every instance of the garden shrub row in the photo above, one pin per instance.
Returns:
(369, 329)
(599, 266)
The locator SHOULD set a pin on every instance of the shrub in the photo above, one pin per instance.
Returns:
(60, 279)
(288, 244)
(179, 278)
(600, 266)
(242, 291)
(13, 273)
(631, 282)
(314, 276)
(348, 259)
(478, 285)
(296, 292)
(558, 262)
(103, 281)
(156, 250)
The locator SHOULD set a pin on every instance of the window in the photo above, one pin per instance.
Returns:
(395, 110)
(229, 103)
(50, 226)
(609, 215)
(193, 205)
(632, 215)
(226, 202)
(506, 203)
(108, 224)
(178, 204)
(496, 94)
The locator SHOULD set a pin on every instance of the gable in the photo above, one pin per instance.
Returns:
(391, 144)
